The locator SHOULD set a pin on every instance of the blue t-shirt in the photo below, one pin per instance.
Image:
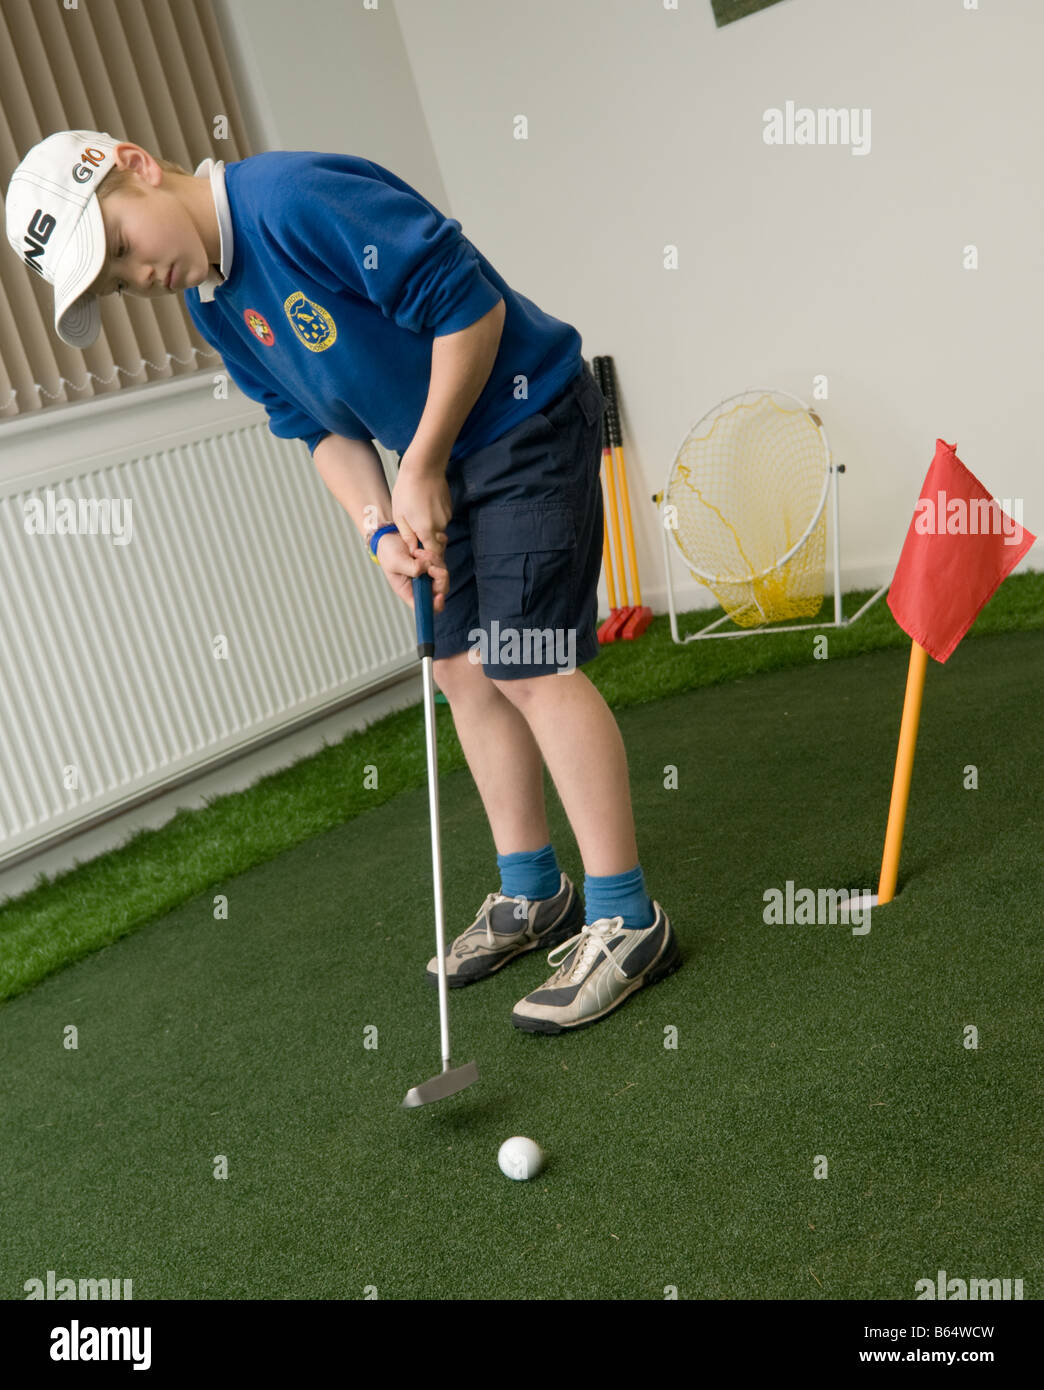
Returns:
(342, 275)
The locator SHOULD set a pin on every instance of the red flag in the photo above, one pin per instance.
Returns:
(960, 546)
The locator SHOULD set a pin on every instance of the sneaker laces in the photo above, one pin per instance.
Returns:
(487, 907)
(598, 935)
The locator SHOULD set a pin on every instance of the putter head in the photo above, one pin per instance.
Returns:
(447, 1083)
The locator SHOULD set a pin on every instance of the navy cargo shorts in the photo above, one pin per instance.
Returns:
(524, 543)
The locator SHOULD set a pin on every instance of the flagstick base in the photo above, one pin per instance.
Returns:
(860, 903)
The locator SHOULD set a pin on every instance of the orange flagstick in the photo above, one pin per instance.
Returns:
(903, 773)
(941, 583)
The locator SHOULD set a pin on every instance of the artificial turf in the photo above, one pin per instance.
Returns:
(65, 918)
(688, 1168)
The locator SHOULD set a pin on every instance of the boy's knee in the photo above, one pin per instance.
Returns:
(521, 691)
(458, 675)
(548, 689)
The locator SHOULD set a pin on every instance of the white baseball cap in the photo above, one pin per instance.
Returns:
(54, 222)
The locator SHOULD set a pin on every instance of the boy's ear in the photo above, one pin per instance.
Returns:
(130, 156)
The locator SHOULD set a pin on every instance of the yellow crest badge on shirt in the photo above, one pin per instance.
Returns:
(310, 321)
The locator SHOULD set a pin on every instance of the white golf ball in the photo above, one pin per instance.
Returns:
(520, 1158)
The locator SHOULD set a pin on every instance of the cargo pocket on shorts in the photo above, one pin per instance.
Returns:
(525, 554)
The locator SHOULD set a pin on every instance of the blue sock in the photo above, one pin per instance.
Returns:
(619, 895)
(531, 874)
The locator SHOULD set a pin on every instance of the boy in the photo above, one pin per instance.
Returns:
(354, 310)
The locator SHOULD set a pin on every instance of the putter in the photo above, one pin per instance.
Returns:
(451, 1079)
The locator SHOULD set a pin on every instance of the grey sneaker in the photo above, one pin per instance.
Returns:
(506, 928)
(606, 964)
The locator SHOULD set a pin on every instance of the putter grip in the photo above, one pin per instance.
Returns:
(424, 613)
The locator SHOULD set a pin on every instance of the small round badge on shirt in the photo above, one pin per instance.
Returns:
(259, 327)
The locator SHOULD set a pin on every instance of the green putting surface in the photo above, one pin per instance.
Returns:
(689, 1167)
(726, 11)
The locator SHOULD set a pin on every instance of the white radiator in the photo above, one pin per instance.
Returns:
(238, 601)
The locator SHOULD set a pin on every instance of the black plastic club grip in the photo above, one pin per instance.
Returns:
(596, 368)
(612, 412)
(424, 614)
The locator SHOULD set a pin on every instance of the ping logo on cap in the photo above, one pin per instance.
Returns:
(37, 235)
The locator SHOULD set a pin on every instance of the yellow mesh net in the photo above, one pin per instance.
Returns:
(748, 485)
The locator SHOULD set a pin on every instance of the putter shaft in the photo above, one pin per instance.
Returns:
(436, 853)
(449, 1080)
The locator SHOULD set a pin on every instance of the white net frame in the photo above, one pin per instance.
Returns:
(748, 486)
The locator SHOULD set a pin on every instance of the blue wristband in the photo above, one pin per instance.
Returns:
(375, 538)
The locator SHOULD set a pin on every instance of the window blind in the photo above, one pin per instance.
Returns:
(153, 72)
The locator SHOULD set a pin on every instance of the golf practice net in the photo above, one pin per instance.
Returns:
(748, 491)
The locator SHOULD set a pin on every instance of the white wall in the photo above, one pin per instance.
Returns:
(645, 129)
(331, 75)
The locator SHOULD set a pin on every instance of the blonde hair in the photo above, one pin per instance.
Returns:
(125, 180)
